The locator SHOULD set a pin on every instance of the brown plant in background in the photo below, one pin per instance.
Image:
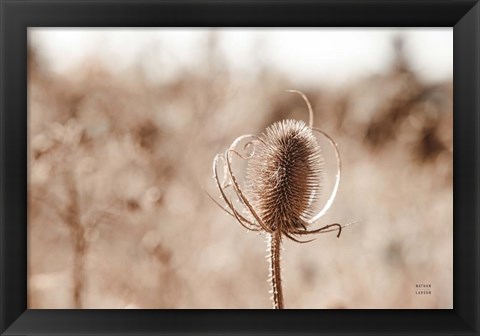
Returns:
(77, 231)
(62, 144)
(283, 182)
(135, 169)
(70, 213)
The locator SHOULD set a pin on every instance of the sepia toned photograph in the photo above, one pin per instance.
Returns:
(240, 168)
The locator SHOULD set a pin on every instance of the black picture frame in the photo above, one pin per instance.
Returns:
(16, 16)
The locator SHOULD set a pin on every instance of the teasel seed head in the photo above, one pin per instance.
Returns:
(283, 183)
(284, 177)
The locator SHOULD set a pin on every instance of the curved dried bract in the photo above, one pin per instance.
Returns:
(309, 106)
(242, 220)
(326, 228)
(323, 229)
(241, 138)
(337, 179)
(241, 195)
(251, 226)
(235, 214)
(290, 236)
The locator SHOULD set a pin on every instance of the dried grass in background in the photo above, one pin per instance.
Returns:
(118, 217)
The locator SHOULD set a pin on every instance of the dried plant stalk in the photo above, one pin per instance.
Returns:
(283, 182)
(72, 217)
(275, 241)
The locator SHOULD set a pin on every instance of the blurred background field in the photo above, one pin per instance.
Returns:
(123, 128)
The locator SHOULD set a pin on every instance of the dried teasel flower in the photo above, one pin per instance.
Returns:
(283, 182)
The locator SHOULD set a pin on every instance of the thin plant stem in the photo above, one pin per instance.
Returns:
(77, 232)
(275, 269)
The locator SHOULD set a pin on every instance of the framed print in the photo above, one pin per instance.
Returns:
(184, 167)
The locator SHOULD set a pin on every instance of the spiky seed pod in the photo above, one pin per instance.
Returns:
(284, 176)
(283, 179)
(283, 183)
